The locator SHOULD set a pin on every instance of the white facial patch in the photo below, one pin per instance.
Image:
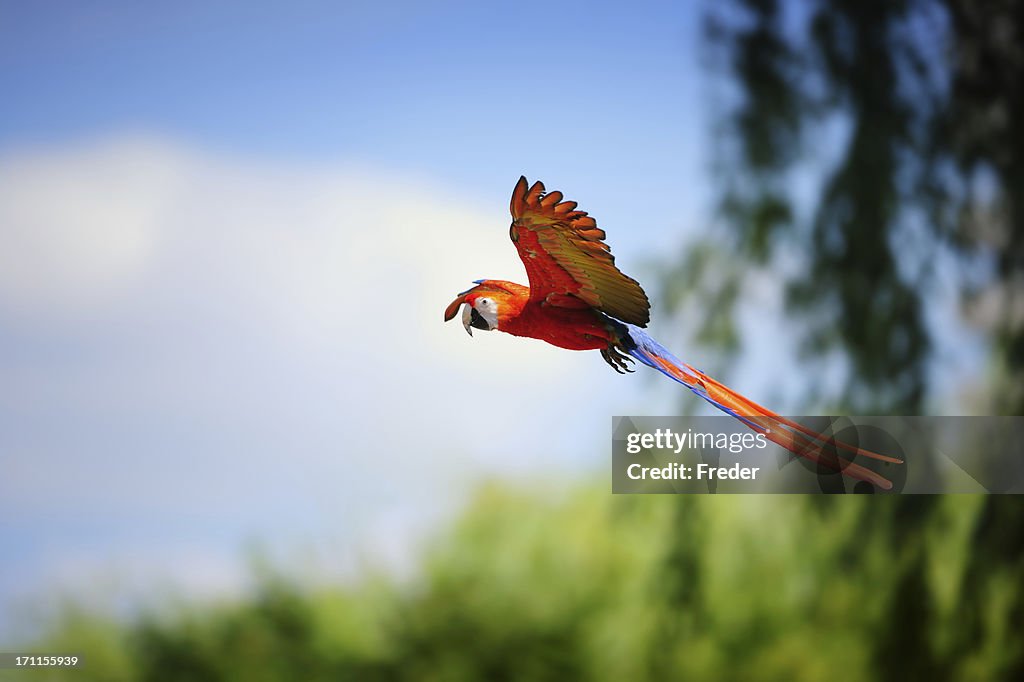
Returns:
(488, 310)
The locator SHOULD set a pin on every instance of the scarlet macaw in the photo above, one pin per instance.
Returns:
(579, 300)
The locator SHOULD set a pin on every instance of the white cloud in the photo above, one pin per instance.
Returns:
(256, 351)
(79, 227)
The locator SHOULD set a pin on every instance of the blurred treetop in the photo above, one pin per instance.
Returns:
(909, 115)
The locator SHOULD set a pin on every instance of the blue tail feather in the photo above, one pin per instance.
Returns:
(644, 348)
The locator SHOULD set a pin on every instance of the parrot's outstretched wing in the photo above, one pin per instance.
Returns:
(566, 260)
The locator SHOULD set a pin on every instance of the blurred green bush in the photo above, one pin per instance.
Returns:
(585, 585)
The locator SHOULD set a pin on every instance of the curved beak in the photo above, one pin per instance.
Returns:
(468, 320)
(453, 307)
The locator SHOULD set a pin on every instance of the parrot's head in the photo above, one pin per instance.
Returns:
(483, 305)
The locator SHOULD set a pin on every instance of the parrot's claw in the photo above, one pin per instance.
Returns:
(617, 359)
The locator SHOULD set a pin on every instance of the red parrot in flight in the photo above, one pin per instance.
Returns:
(579, 300)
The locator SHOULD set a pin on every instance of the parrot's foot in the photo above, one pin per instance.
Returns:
(617, 359)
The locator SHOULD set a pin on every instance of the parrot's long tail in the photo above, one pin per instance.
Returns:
(796, 438)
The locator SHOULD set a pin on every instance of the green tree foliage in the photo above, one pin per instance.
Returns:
(589, 586)
(906, 121)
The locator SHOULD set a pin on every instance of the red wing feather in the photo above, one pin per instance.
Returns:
(565, 256)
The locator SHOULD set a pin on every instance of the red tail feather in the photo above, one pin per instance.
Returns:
(797, 438)
(793, 436)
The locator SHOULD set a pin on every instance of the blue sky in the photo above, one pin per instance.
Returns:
(452, 89)
(229, 235)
